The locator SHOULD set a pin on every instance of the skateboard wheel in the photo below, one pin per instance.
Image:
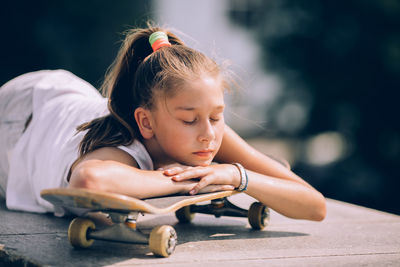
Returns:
(184, 215)
(163, 240)
(78, 232)
(258, 216)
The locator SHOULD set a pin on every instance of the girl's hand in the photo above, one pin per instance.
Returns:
(211, 178)
(174, 166)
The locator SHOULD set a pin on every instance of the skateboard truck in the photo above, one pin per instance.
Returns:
(258, 214)
(162, 239)
(123, 230)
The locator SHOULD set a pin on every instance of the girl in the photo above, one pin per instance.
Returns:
(163, 128)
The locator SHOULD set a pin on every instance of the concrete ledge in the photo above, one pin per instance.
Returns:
(349, 236)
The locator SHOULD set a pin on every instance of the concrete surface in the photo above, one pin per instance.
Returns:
(349, 236)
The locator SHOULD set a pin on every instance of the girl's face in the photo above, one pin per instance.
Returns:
(189, 126)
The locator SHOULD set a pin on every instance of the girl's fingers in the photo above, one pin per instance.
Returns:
(209, 180)
(204, 182)
(190, 173)
(175, 170)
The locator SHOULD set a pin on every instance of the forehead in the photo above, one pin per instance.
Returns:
(204, 92)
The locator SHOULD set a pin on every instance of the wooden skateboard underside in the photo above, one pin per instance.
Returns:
(101, 201)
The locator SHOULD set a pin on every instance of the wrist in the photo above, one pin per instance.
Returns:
(236, 178)
(244, 179)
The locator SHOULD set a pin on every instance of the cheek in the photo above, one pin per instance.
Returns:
(175, 135)
(220, 131)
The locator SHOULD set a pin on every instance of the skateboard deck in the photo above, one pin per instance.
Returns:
(124, 211)
(103, 201)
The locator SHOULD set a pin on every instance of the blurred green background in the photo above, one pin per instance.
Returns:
(338, 63)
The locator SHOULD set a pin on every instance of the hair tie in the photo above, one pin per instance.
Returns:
(158, 40)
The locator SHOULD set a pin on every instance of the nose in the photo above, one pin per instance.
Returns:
(207, 132)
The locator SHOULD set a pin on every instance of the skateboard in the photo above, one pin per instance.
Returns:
(124, 212)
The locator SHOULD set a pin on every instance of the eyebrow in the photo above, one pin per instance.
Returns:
(189, 108)
(185, 108)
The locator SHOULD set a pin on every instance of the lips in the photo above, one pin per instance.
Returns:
(206, 153)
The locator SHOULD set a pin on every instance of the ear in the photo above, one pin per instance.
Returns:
(143, 119)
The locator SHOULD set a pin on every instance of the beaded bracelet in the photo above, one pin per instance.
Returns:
(244, 179)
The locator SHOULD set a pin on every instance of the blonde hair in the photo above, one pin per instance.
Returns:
(132, 80)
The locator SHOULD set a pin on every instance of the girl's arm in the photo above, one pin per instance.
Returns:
(235, 149)
(113, 170)
(269, 181)
(287, 197)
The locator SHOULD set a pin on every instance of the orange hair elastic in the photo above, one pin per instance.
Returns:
(158, 40)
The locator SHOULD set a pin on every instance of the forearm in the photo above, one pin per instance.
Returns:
(235, 149)
(289, 198)
(111, 176)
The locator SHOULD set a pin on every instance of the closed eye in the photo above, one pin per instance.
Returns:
(189, 122)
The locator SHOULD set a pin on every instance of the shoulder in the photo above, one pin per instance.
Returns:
(108, 154)
(139, 152)
(112, 153)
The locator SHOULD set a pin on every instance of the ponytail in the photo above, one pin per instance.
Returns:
(119, 127)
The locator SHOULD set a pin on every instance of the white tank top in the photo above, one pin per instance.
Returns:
(44, 154)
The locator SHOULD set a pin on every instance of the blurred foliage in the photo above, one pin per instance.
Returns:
(80, 36)
(340, 60)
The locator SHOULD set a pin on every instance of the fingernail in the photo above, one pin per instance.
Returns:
(192, 192)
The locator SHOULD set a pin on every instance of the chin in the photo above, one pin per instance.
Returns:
(195, 163)
(204, 163)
